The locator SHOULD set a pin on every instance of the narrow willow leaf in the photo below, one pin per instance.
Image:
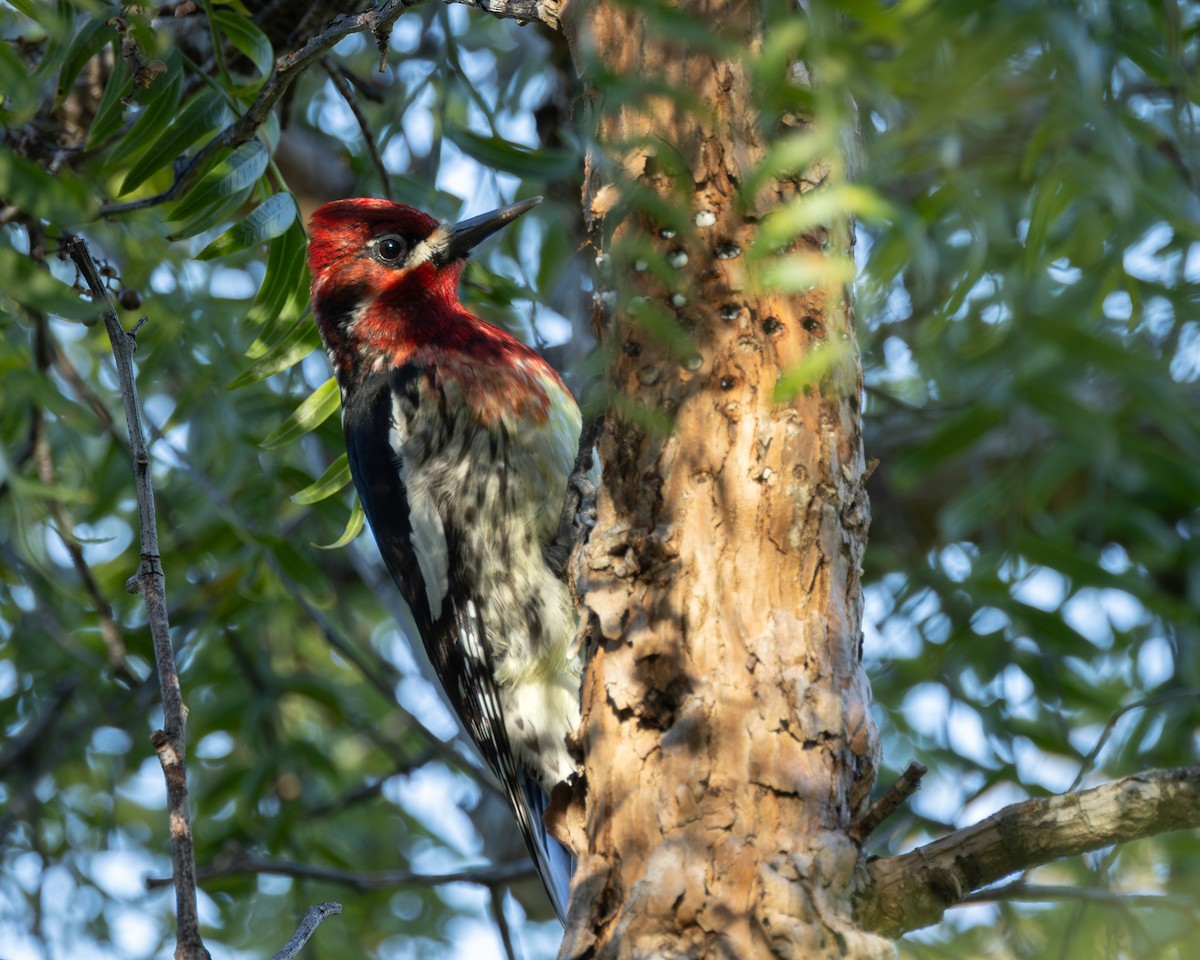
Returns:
(820, 208)
(59, 36)
(204, 113)
(284, 286)
(87, 43)
(809, 372)
(268, 220)
(354, 526)
(159, 110)
(111, 111)
(208, 217)
(314, 411)
(500, 154)
(40, 287)
(244, 35)
(231, 175)
(793, 154)
(62, 199)
(798, 272)
(301, 340)
(329, 483)
(36, 12)
(35, 489)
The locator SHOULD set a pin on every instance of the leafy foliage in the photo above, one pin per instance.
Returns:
(1028, 281)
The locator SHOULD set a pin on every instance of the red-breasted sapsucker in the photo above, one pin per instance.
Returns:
(461, 440)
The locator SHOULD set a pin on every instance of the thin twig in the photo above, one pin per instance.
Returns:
(43, 459)
(347, 93)
(170, 742)
(889, 801)
(1047, 892)
(240, 863)
(1086, 765)
(313, 918)
(496, 897)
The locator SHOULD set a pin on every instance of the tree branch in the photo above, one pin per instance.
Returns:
(343, 87)
(524, 11)
(889, 801)
(1049, 892)
(914, 889)
(240, 863)
(308, 926)
(170, 742)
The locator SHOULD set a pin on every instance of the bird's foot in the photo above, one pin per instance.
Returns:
(578, 511)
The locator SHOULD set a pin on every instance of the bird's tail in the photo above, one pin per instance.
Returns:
(554, 862)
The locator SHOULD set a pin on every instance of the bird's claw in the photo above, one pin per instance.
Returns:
(578, 516)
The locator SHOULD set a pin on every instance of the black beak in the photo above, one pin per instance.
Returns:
(461, 238)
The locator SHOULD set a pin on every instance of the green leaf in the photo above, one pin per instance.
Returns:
(329, 483)
(955, 436)
(507, 157)
(61, 199)
(244, 35)
(820, 208)
(204, 113)
(231, 175)
(300, 341)
(354, 526)
(809, 372)
(111, 111)
(59, 34)
(87, 43)
(268, 220)
(35, 489)
(798, 272)
(160, 108)
(284, 291)
(315, 410)
(39, 288)
(34, 11)
(209, 217)
(316, 589)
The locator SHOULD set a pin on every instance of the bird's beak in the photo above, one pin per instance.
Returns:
(460, 238)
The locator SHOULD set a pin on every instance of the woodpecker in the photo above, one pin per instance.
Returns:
(461, 441)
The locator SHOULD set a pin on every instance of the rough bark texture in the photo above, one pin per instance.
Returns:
(915, 889)
(726, 730)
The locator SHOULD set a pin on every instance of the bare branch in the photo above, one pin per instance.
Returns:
(239, 863)
(890, 801)
(496, 900)
(343, 87)
(1188, 694)
(313, 918)
(524, 11)
(170, 742)
(1049, 892)
(914, 889)
(43, 460)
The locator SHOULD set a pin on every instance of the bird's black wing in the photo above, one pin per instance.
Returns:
(446, 612)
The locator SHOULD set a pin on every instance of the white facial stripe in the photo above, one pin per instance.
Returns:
(433, 244)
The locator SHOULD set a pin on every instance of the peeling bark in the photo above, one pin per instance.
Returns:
(726, 734)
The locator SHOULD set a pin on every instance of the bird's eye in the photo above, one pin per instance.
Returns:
(390, 249)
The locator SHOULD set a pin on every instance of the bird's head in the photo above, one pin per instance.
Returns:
(385, 276)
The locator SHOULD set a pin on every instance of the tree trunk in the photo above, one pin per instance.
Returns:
(726, 728)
